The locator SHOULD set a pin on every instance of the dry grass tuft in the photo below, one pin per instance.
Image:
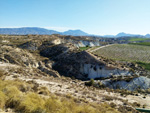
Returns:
(21, 97)
(2, 100)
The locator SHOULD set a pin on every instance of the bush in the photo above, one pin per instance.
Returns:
(101, 85)
(113, 105)
(31, 103)
(90, 83)
(135, 104)
(43, 91)
(108, 98)
(13, 95)
(53, 105)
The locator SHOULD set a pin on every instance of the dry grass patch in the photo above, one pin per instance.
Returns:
(21, 97)
(2, 100)
(31, 103)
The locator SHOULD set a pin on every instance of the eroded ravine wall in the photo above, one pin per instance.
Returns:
(97, 71)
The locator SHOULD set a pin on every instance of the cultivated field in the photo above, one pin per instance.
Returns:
(142, 43)
(127, 52)
(138, 39)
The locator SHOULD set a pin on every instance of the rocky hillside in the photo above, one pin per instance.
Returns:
(57, 63)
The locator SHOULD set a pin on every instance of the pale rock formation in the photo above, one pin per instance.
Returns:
(98, 71)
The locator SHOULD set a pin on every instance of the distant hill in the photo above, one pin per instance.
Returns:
(75, 33)
(40, 31)
(147, 35)
(26, 30)
(122, 34)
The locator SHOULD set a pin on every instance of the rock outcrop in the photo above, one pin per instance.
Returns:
(102, 71)
(133, 84)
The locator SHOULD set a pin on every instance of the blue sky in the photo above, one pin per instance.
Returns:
(101, 17)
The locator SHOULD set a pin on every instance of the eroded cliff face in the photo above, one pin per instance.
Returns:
(83, 43)
(38, 44)
(81, 65)
(24, 59)
(129, 84)
(17, 56)
(102, 71)
(54, 54)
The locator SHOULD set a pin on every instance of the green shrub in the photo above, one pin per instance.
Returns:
(90, 83)
(84, 48)
(101, 85)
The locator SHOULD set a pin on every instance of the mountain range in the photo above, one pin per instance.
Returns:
(40, 31)
(122, 34)
(43, 31)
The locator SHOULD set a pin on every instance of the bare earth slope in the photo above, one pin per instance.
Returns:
(55, 63)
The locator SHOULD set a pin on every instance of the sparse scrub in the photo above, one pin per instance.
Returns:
(101, 85)
(43, 90)
(108, 98)
(90, 83)
(53, 105)
(144, 105)
(12, 96)
(113, 105)
(135, 104)
(31, 103)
